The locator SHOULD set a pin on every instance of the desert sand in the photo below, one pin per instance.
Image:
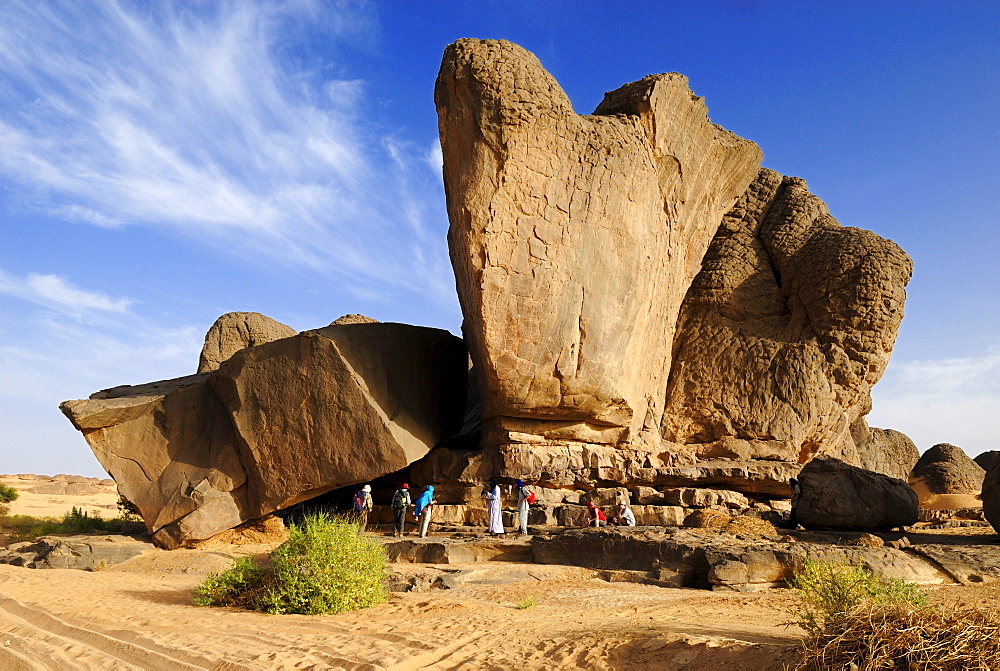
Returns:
(90, 495)
(139, 615)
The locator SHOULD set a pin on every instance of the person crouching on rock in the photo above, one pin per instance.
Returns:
(625, 516)
(400, 502)
(422, 509)
(492, 496)
(595, 516)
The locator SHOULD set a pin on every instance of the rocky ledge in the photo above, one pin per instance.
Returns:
(712, 559)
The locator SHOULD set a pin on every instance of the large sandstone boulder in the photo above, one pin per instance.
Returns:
(991, 495)
(987, 459)
(574, 238)
(836, 495)
(884, 451)
(235, 330)
(784, 331)
(946, 477)
(276, 424)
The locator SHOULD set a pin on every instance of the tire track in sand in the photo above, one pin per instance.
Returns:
(40, 626)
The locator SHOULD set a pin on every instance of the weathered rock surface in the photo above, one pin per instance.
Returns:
(353, 319)
(574, 238)
(836, 495)
(235, 330)
(884, 451)
(987, 459)
(991, 495)
(784, 331)
(83, 551)
(276, 424)
(945, 477)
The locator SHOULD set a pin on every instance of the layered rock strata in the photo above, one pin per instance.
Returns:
(574, 238)
(276, 424)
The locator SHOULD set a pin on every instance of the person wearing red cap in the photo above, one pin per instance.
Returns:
(400, 502)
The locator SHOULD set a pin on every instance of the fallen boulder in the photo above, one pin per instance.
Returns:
(836, 495)
(946, 478)
(277, 424)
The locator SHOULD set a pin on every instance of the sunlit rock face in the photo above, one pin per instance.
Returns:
(644, 304)
(235, 330)
(784, 331)
(276, 424)
(574, 238)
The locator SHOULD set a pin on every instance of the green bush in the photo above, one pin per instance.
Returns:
(325, 566)
(828, 590)
(8, 494)
(238, 586)
(77, 521)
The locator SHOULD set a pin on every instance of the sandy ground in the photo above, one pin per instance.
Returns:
(100, 499)
(139, 615)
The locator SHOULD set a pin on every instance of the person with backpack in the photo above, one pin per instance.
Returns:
(422, 509)
(525, 497)
(400, 502)
(362, 506)
(595, 516)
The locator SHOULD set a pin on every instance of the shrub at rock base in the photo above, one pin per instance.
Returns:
(326, 566)
(856, 619)
(827, 590)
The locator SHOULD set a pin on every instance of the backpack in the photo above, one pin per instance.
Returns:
(399, 499)
(531, 497)
(359, 501)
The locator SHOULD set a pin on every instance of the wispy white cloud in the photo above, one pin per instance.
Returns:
(57, 292)
(942, 400)
(207, 119)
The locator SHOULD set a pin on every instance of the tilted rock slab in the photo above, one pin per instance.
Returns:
(235, 330)
(276, 424)
(574, 238)
(836, 495)
(784, 331)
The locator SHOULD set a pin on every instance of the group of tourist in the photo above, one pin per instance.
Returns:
(423, 509)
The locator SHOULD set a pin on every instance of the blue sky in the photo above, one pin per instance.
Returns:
(163, 163)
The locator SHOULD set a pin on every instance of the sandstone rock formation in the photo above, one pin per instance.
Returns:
(884, 451)
(353, 319)
(784, 331)
(574, 238)
(276, 424)
(836, 495)
(575, 241)
(946, 477)
(987, 459)
(235, 330)
(991, 495)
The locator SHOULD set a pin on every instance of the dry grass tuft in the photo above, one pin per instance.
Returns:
(876, 637)
(867, 541)
(748, 524)
(707, 518)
